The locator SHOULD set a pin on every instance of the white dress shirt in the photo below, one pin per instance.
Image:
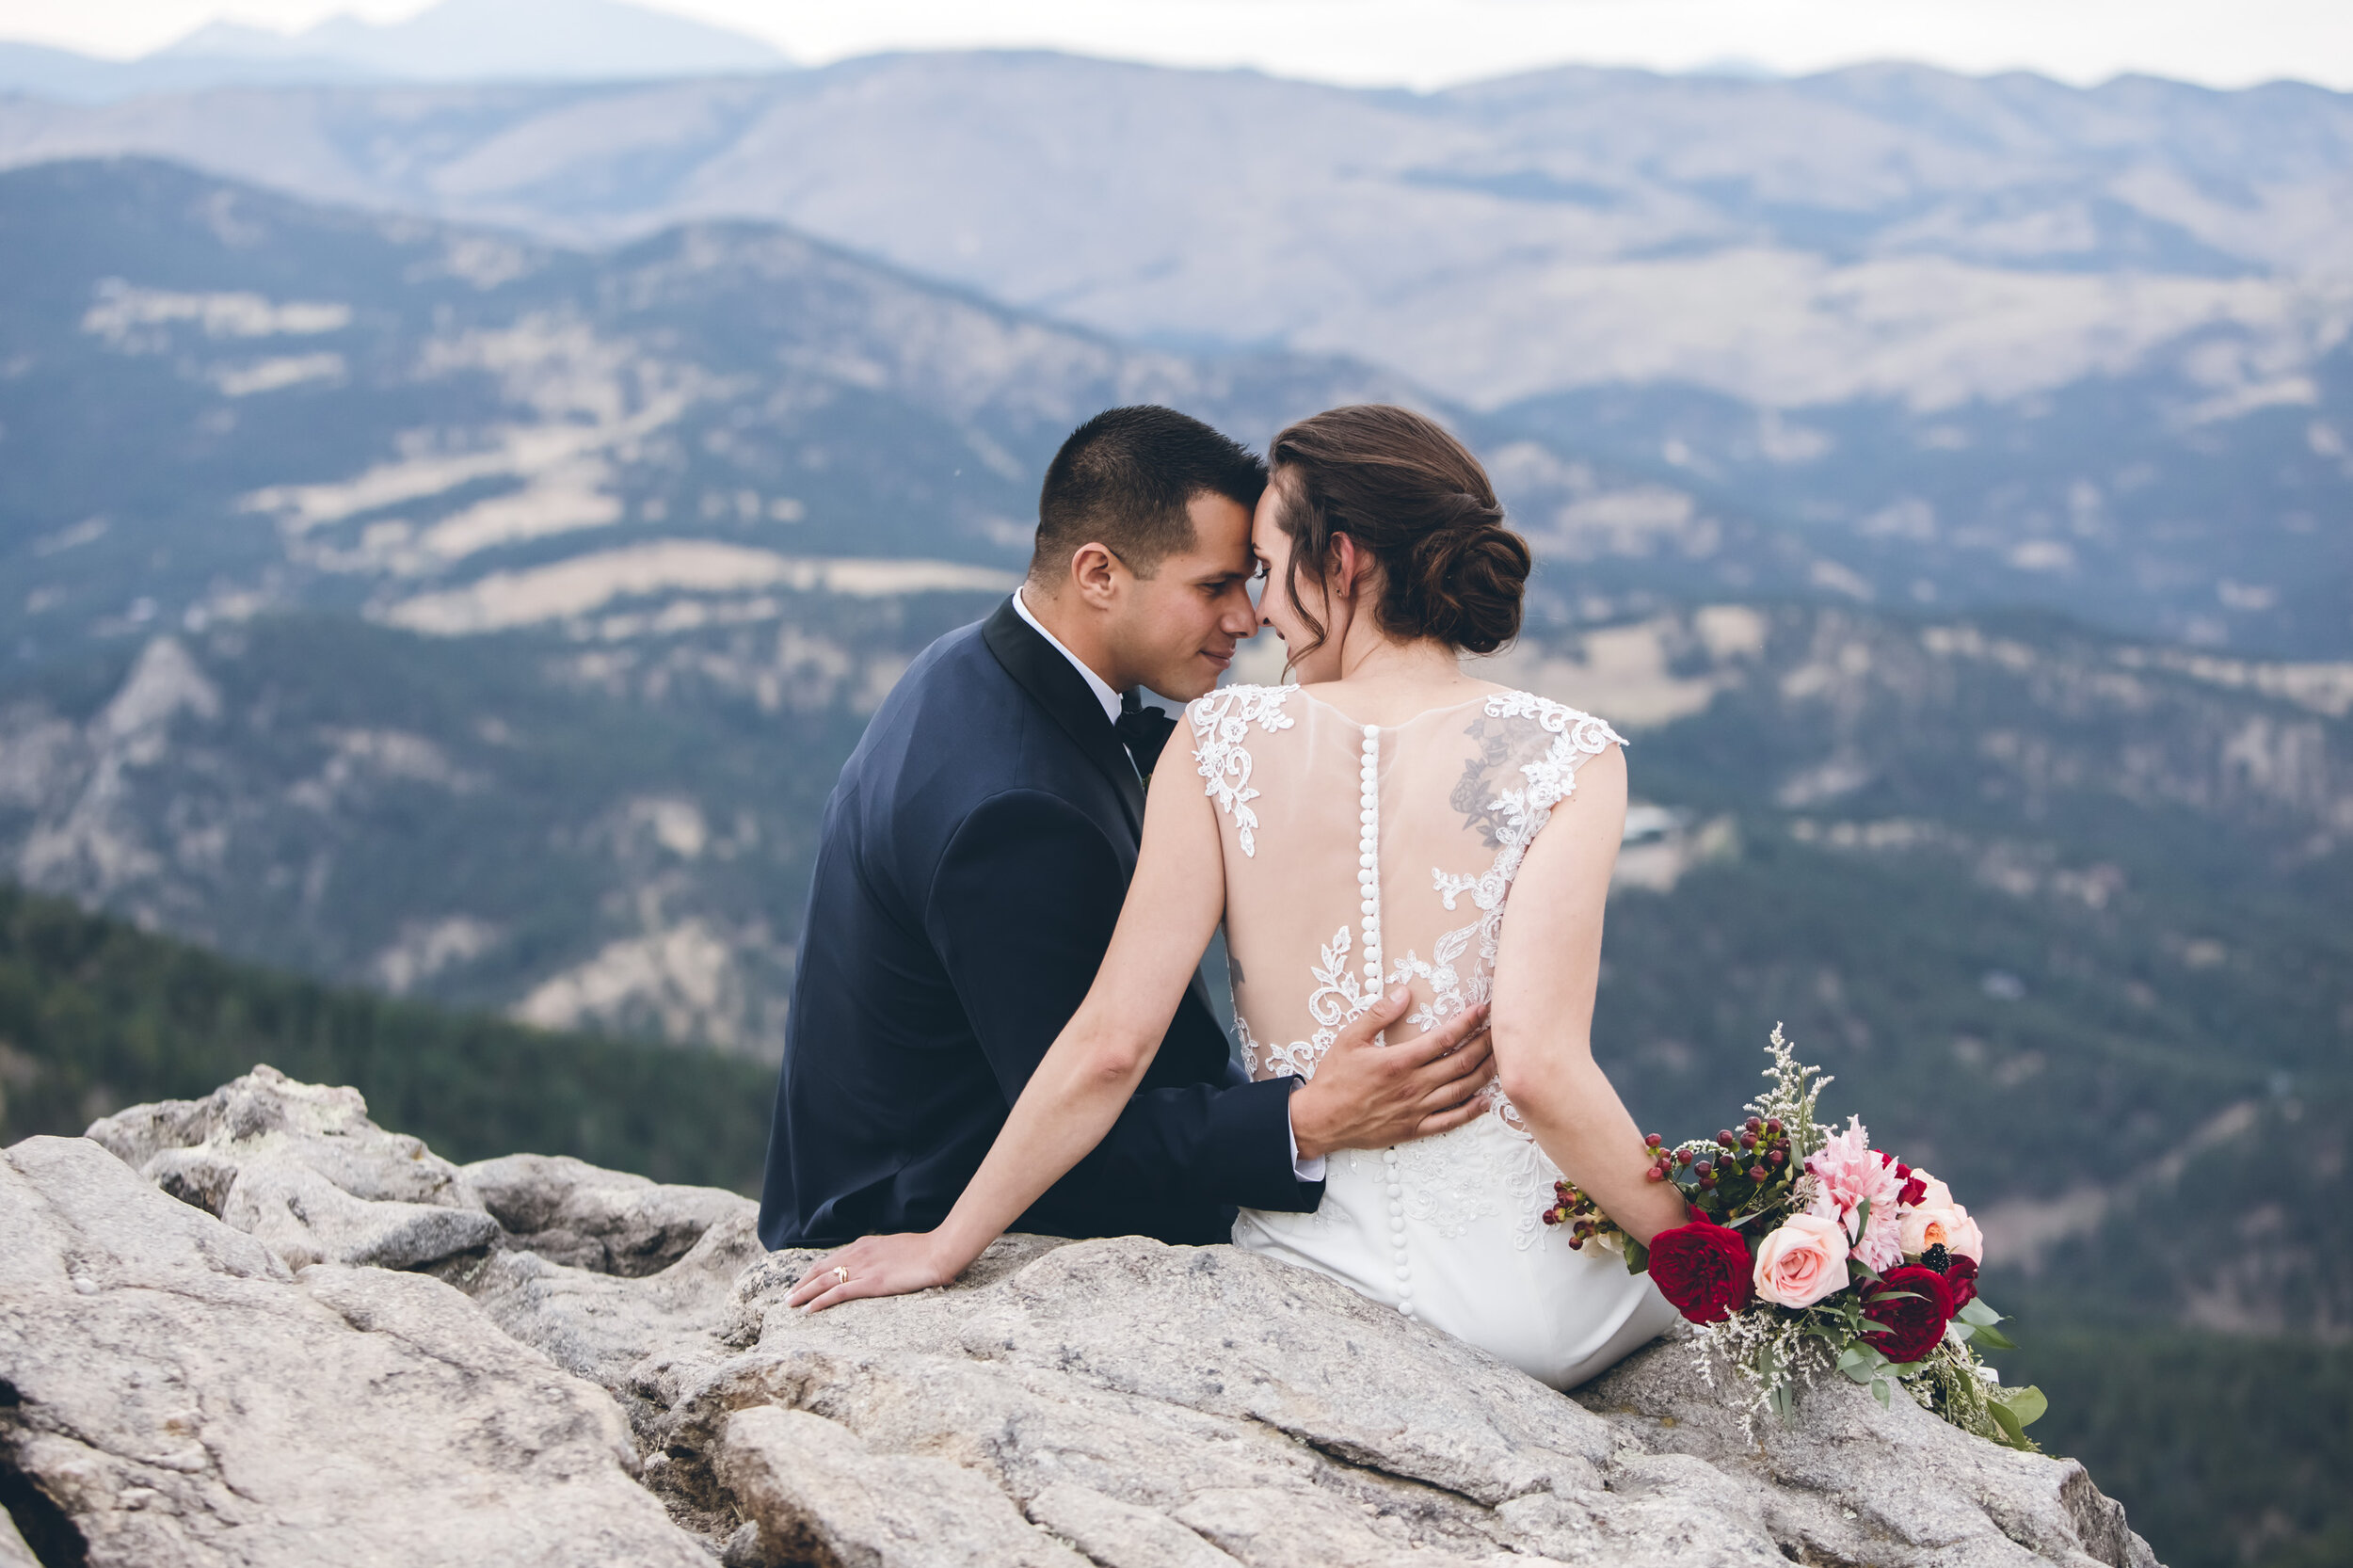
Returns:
(1305, 1170)
(1096, 683)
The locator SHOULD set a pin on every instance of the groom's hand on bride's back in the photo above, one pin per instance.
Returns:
(1366, 1096)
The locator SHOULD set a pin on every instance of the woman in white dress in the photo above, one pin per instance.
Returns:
(1388, 835)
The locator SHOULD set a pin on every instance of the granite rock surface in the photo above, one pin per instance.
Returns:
(335, 1345)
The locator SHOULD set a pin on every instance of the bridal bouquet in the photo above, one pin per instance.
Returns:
(1807, 1248)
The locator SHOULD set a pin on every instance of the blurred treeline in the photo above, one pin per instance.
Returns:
(2226, 1451)
(96, 1015)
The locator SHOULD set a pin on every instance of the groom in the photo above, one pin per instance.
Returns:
(971, 864)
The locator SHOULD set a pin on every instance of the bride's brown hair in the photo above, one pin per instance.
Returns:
(1416, 501)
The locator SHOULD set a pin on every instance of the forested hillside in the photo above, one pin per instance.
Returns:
(95, 1015)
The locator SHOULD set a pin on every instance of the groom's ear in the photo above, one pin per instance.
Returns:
(1096, 575)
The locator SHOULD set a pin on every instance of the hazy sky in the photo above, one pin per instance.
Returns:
(1428, 42)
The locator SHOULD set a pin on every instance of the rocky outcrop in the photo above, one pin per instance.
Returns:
(177, 1394)
(587, 1368)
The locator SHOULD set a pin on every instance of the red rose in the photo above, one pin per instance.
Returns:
(1961, 1281)
(1910, 1305)
(1702, 1270)
(1914, 1190)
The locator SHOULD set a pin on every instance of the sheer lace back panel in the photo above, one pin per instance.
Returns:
(1358, 856)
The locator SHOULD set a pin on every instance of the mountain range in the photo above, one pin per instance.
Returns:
(485, 621)
(1949, 342)
(287, 469)
(452, 41)
(450, 539)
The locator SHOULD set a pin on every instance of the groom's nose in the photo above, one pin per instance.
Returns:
(1239, 618)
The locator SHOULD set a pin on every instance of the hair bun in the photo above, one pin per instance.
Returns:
(1414, 499)
(1469, 581)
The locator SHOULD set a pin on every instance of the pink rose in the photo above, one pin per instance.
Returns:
(1966, 1239)
(1925, 1228)
(1949, 1226)
(1802, 1261)
(1935, 1194)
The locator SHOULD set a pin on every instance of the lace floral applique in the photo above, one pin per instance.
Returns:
(1476, 1175)
(1518, 814)
(1221, 722)
(1339, 995)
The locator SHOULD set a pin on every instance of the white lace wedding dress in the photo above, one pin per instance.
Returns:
(1359, 857)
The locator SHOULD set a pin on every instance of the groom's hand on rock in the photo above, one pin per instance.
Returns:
(1366, 1096)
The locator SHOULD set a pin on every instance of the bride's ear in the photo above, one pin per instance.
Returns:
(1344, 563)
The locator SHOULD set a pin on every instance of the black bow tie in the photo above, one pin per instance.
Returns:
(1143, 731)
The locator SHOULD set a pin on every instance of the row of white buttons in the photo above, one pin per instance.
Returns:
(1368, 887)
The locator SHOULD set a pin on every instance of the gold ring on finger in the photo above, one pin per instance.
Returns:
(841, 1275)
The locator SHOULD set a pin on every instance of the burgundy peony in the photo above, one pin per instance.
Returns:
(1961, 1281)
(1703, 1271)
(1910, 1305)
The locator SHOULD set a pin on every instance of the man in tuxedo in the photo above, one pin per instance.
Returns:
(972, 863)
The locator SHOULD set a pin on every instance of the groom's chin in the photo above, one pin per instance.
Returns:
(1194, 677)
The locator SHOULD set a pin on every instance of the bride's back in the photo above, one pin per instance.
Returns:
(1358, 856)
(1374, 823)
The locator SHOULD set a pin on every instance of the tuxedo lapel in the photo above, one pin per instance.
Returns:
(1047, 676)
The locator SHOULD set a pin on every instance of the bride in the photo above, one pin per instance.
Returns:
(1390, 835)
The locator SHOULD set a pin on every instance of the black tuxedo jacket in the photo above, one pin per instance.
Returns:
(973, 859)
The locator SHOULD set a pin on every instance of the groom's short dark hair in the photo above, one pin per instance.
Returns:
(1124, 480)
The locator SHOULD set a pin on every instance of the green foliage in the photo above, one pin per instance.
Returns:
(2226, 1452)
(95, 1015)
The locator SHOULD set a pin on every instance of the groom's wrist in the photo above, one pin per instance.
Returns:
(1311, 1127)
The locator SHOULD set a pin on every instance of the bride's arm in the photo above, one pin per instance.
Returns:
(1546, 968)
(1173, 903)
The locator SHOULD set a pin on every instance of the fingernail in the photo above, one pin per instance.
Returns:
(1399, 994)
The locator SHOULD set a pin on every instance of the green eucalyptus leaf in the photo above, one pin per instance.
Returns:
(2026, 1406)
(1992, 1338)
(1638, 1257)
(1979, 1315)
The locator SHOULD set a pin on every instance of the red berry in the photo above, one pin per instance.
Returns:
(1757, 1172)
(1754, 1125)
(1653, 1141)
(1777, 1156)
(1725, 1137)
(1772, 1125)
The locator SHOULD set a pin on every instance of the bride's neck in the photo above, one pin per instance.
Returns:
(1381, 661)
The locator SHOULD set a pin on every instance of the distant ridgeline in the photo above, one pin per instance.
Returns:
(95, 1015)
